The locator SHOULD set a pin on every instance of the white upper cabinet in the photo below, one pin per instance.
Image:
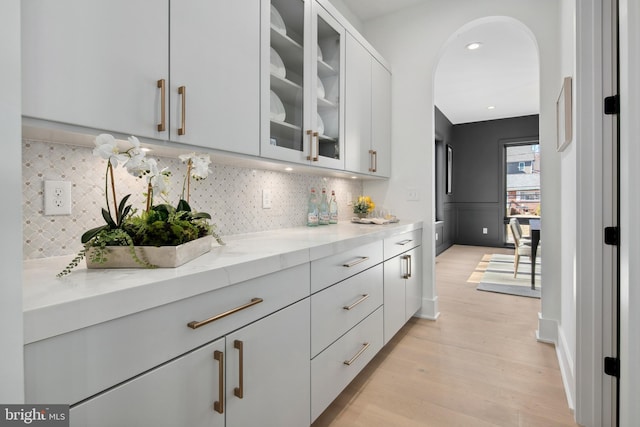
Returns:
(96, 63)
(215, 74)
(368, 112)
(303, 91)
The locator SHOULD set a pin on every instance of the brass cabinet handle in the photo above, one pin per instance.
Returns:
(182, 91)
(239, 391)
(408, 259)
(349, 307)
(355, 261)
(373, 161)
(219, 405)
(162, 126)
(316, 136)
(404, 242)
(355, 357)
(310, 133)
(196, 324)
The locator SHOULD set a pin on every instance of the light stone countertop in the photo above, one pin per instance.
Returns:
(54, 306)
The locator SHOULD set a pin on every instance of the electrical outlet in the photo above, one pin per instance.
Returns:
(485, 230)
(266, 199)
(413, 195)
(57, 198)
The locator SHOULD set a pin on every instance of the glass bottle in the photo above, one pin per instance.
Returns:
(323, 209)
(312, 209)
(333, 208)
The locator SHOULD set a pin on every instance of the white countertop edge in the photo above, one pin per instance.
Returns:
(87, 297)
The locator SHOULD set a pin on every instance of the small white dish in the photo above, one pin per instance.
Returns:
(321, 92)
(278, 112)
(277, 66)
(277, 22)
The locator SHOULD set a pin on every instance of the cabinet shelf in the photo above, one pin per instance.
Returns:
(326, 70)
(288, 91)
(285, 125)
(290, 51)
(325, 103)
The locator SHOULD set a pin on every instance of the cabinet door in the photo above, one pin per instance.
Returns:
(358, 108)
(285, 30)
(395, 270)
(180, 393)
(96, 63)
(215, 74)
(327, 89)
(413, 286)
(381, 119)
(268, 370)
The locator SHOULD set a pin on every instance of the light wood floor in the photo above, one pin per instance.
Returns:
(478, 365)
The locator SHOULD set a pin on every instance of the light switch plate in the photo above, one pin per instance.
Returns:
(266, 199)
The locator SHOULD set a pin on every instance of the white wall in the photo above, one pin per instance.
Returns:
(11, 377)
(566, 328)
(629, 208)
(412, 40)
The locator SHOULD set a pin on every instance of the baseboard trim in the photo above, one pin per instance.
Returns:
(547, 330)
(429, 309)
(566, 368)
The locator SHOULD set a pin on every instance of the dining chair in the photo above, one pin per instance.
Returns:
(522, 247)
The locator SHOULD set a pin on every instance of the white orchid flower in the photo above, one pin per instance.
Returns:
(107, 148)
(200, 166)
(160, 182)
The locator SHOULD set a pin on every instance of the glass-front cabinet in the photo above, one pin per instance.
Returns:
(303, 93)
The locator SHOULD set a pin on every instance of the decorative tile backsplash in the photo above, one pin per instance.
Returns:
(232, 195)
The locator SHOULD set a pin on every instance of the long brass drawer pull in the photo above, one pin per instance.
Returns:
(354, 358)
(408, 259)
(239, 391)
(219, 404)
(349, 307)
(162, 126)
(196, 324)
(355, 261)
(182, 91)
(404, 242)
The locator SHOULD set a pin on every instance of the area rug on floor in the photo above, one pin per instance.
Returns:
(497, 276)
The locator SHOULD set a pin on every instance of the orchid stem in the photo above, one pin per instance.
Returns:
(113, 191)
(149, 196)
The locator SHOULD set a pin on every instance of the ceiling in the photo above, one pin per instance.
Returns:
(503, 73)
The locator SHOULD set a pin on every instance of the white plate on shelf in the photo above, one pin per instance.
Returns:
(320, 125)
(278, 112)
(320, 89)
(277, 22)
(277, 66)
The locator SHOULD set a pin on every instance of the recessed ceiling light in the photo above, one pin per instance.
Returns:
(473, 46)
(491, 107)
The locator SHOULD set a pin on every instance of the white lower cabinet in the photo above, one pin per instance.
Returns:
(180, 393)
(402, 290)
(242, 379)
(333, 369)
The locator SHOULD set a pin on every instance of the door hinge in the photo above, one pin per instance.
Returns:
(611, 366)
(612, 105)
(611, 236)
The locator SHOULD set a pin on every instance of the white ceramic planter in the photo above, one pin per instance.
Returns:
(163, 256)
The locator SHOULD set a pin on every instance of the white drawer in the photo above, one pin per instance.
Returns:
(400, 243)
(338, 308)
(332, 269)
(73, 366)
(330, 373)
